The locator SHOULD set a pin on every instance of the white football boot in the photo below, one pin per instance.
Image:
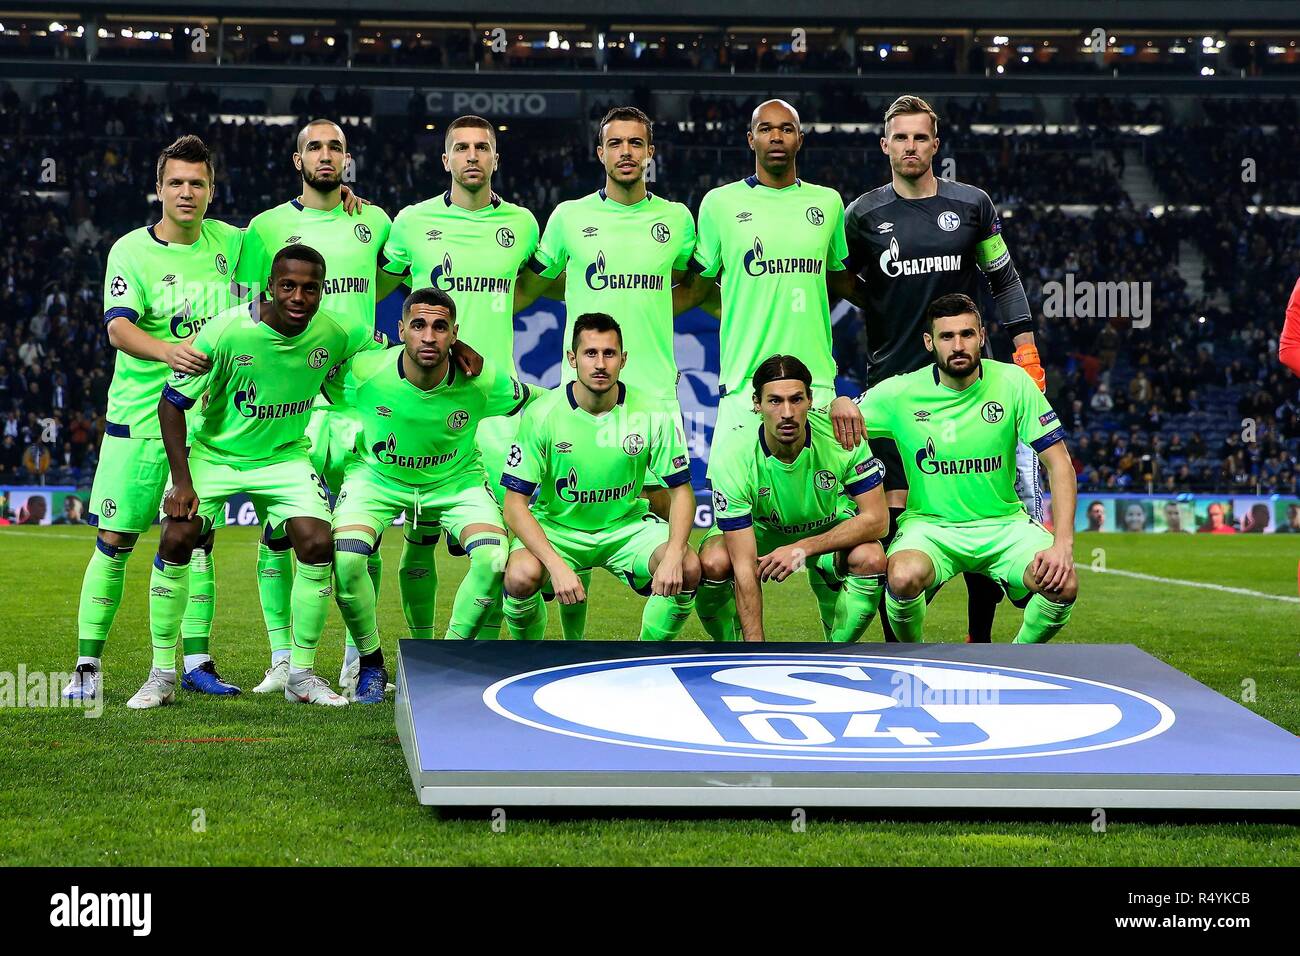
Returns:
(277, 676)
(310, 689)
(158, 691)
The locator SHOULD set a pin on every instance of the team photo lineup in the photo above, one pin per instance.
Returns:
(249, 362)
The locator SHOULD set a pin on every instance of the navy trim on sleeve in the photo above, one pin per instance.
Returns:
(121, 312)
(736, 524)
(672, 481)
(536, 265)
(518, 484)
(183, 402)
(522, 402)
(117, 430)
(1048, 440)
(865, 483)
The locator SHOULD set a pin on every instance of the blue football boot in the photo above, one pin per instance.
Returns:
(371, 683)
(205, 680)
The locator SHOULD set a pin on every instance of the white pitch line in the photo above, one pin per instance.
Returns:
(1191, 584)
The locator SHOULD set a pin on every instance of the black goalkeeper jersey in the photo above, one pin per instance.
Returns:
(911, 251)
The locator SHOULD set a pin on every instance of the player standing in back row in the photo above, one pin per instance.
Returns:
(161, 285)
(350, 245)
(471, 244)
(916, 239)
(622, 249)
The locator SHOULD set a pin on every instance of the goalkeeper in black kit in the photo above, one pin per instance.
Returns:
(913, 240)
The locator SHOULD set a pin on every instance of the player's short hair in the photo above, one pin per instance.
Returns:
(595, 322)
(302, 133)
(955, 303)
(188, 149)
(630, 114)
(299, 252)
(429, 296)
(906, 105)
(777, 367)
(469, 121)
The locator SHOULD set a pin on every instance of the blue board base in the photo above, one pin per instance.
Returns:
(598, 723)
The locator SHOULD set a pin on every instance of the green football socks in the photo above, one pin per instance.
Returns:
(1043, 618)
(573, 617)
(664, 617)
(480, 590)
(907, 615)
(715, 604)
(859, 598)
(417, 576)
(525, 617)
(310, 600)
(101, 595)
(169, 586)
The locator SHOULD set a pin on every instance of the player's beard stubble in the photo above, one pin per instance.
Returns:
(965, 371)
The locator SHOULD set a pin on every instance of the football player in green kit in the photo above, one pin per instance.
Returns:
(471, 244)
(789, 497)
(418, 456)
(161, 285)
(351, 245)
(956, 424)
(269, 359)
(584, 449)
(623, 251)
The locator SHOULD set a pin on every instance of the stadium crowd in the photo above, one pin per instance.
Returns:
(1192, 399)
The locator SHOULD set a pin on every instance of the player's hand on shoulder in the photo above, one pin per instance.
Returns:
(781, 563)
(846, 416)
(183, 357)
(567, 587)
(352, 203)
(466, 359)
(181, 502)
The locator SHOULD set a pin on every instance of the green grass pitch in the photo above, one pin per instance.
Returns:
(290, 784)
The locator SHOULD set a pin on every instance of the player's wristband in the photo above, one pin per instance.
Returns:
(1026, 356)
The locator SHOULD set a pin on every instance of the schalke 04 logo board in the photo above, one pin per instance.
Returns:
(829, 707)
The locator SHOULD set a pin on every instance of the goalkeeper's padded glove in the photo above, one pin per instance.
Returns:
(1027, 358)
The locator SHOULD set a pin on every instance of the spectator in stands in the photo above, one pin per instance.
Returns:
(36, 461)
(1101, 399)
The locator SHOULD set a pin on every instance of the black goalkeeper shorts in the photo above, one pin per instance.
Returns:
(887, 451)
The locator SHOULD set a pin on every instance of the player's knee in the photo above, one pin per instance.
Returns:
(867, 559)
(118, 539)
(315, 547)
(1067, 591)
(906, 578)
(691, 571)
(177, 540)
(523, 576)
(715, 564)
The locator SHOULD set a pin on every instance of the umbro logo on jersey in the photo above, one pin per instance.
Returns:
(885, 227)
(744, 216)
(921, 415)
(292, 239)
(434, 233)
(564, 447)
(383, 411)
(589, 231)
(815, 216)
(169, 279)
(363, 232)
(243, 361)
(764, 491)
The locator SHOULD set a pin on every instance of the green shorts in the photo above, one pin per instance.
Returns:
(333, 434)
(129, 483)
(766, 541)
(279, 491)
(368, 498)
(737, 408)
(624, 552)
(999, 548)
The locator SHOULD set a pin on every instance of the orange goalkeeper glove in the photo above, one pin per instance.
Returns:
(1027, 358)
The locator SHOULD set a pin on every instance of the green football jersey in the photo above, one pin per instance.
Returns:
(959, 447)
(801, 498)
(350, 244)
(169, 290)
(620, 260)
(773, 248)
(590, 468)
(472, 255)
(261, 386)
(421, 437)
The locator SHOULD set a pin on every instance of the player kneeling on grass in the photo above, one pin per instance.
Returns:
(956, 424)
(269, 360)
(789, 496)
(417, 454)
(587, 446)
